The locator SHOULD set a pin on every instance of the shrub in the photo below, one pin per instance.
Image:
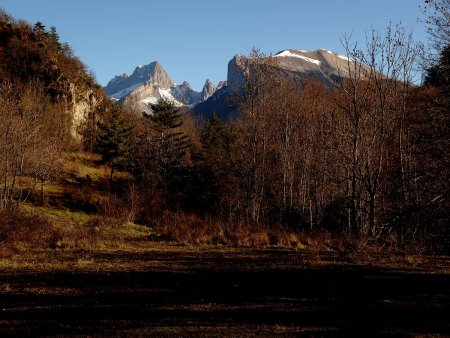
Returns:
(189, 228)
(21, 230)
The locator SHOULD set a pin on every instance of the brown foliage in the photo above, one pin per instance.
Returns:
(34, 53)
(190, 228)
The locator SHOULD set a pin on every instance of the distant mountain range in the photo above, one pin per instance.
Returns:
(151, 82)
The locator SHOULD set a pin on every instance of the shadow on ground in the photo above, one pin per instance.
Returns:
(207, 298)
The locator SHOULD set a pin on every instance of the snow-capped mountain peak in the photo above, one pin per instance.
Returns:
(152, 74)
(326, 61)
(149, 83)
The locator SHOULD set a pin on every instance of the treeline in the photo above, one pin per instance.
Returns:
(367, 158)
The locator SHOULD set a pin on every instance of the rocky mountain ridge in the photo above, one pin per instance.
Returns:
(151, 82)
(323, 65)
(147, 84)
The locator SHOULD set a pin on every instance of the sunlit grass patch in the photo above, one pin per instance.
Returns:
(53, 213)
(54, 188)
(86, 166)
(84, 263)
(130, 230)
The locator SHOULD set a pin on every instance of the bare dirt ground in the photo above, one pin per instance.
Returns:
(172, 290)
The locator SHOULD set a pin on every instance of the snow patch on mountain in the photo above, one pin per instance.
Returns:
(287, 53)
(162, 94)
(150, 100)
(344, 57)
(124, 92)
(338, 55)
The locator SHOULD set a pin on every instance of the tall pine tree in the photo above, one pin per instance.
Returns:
(212, 135)
(169, 148)
(114, 141)
(166, 121)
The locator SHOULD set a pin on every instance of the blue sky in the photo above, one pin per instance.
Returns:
(194, 40)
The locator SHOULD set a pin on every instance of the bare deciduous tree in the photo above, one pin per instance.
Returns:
(32, 132)
(438, 20)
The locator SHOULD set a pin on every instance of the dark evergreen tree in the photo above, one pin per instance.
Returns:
(439, 74)
(39, 29)
(166, 120)
(166, 116)
(212, 135)
(165, 159)
(54, 37)
(114, 141)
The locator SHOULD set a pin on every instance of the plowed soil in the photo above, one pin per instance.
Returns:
(227, 292)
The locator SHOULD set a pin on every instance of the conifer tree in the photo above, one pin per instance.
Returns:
(54, 36)
(114, 141)
(165, 116)
(39, 29)
(166, 121)
(439, 74)
(165, 158)
(212, 135)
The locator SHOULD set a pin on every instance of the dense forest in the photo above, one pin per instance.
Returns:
(366, 160)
